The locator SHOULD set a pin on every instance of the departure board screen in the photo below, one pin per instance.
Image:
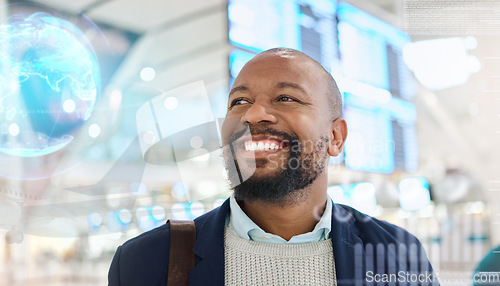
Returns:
(306, 25)
(382, 135)
(371, 51)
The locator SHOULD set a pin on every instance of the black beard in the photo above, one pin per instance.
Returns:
(288, 186)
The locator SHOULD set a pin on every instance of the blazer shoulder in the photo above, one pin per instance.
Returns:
(142, 260)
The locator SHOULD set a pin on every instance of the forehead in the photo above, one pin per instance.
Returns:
(271, 68)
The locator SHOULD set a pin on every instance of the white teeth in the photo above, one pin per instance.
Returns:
(260, 146)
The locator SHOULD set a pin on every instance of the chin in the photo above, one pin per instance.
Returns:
(261, 175)
(262, 167)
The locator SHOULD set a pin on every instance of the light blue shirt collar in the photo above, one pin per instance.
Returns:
(241, 225)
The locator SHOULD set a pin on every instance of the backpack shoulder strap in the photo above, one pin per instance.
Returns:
(181, 260)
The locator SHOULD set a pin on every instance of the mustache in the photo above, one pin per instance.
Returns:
(258, 130)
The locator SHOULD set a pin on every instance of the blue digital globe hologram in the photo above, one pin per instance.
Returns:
(49, 84)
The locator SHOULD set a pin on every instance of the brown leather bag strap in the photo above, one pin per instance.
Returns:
(181, 260)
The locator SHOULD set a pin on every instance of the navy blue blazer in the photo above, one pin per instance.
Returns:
(366, 251)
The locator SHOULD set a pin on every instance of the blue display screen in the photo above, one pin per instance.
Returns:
(371, 51)
(305, 25)
(382, 136)
(381, 122)
(369, 146)
(237, 59)
(372, 25)
(258, 25)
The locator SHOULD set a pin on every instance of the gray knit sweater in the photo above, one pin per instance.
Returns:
(260, 263)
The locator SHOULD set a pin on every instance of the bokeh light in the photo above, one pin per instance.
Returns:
(95, 219)
(179, 211)
(196, 142)
(179, 190)
(13, 129)
(158, 213)
(124, 216)
(49, 83)
(69, 106)
(94, 130)
(195, 209)
(148, 74)
(171, 103)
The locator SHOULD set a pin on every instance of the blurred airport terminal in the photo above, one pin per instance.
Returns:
(110, 113)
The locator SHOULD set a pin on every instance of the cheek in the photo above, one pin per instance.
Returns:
(306, 129)
(313, 141)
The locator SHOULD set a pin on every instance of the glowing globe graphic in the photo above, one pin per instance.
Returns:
(49, 83)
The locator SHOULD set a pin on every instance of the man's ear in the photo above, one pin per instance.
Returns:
(338, 135)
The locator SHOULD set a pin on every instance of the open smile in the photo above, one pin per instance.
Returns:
(261, 146)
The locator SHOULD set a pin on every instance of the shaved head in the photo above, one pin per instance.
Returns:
(333, 92)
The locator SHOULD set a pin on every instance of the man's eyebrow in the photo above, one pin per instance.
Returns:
(238, 88)
(290, 85)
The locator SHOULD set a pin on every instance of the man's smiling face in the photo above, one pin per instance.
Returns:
(282, 99)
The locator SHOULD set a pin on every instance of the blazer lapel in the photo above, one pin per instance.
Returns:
(209, 249)
(347, 247)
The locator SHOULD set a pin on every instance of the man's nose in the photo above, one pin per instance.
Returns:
(259, 113)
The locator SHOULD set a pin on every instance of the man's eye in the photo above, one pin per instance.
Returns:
(238, 101)
(285, 98)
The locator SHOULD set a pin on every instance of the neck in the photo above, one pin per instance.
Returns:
(289, 220)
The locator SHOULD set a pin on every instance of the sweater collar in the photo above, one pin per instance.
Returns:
(241, 225)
